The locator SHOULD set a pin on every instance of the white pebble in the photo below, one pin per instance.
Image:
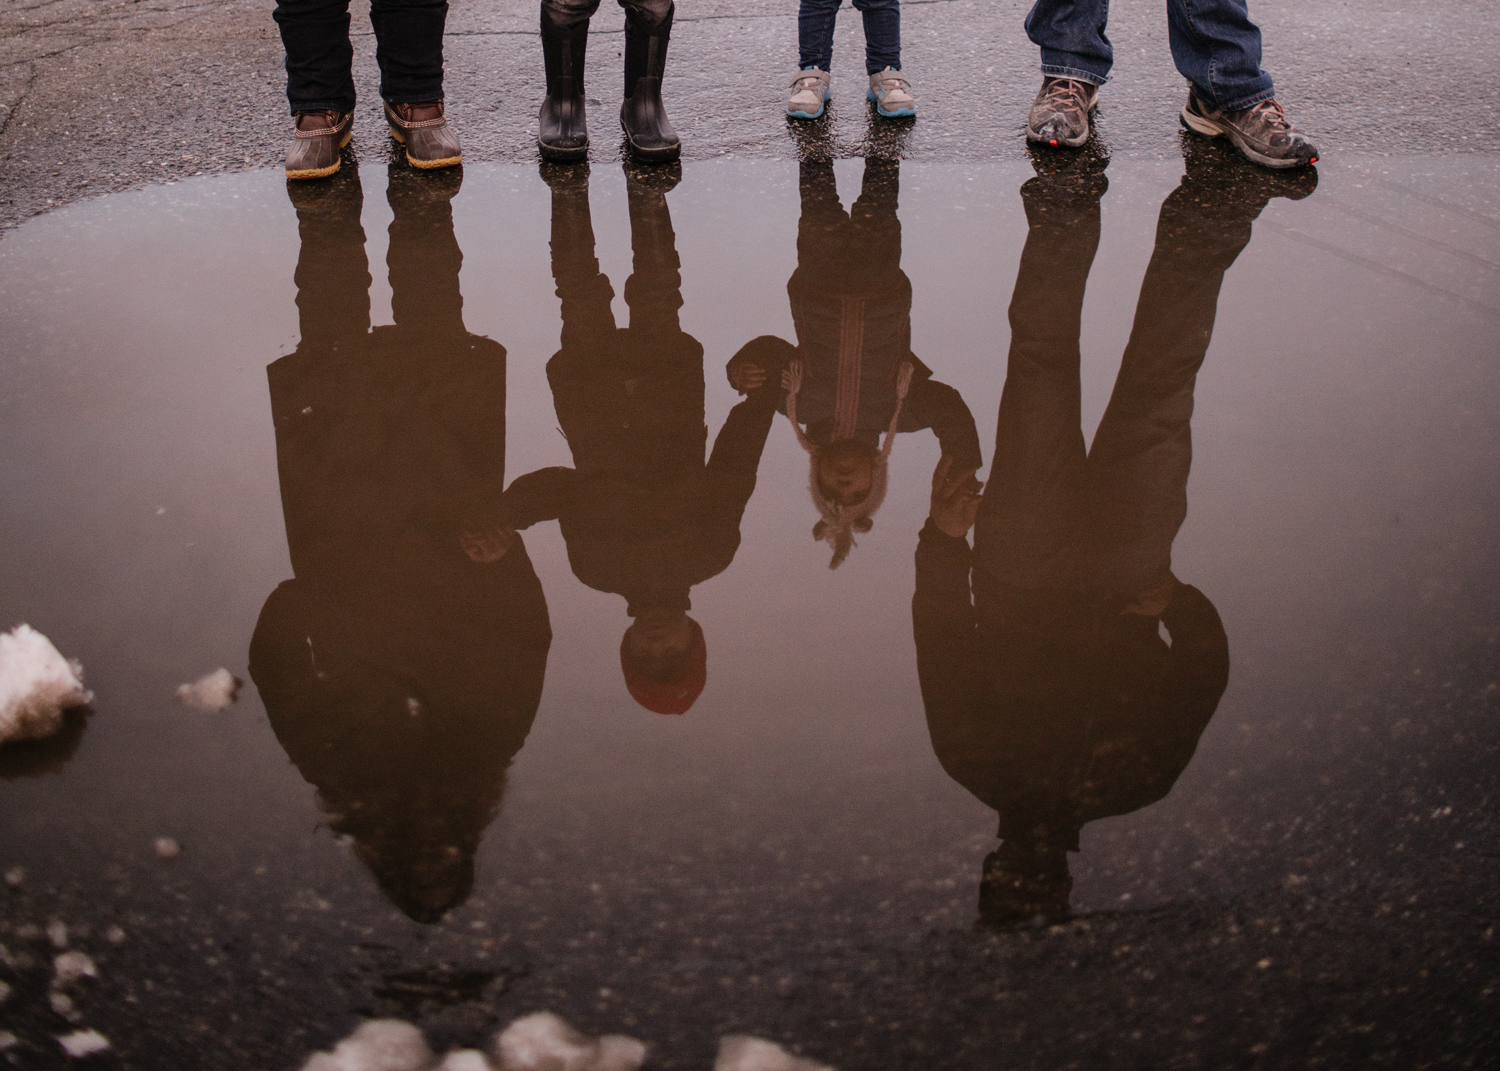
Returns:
(213, 692)
(114, 935)
(83, 1043)
(14, 876)
(545, 1042)
(63, 1005)
(71, 966)
(57, 933)
(8, 1040)
(465, 1060)
(36, 685)
(166, 847)
(739, 1052)
(377, 1045)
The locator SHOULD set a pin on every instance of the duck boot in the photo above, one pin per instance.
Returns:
(563, 132)
(643, 116)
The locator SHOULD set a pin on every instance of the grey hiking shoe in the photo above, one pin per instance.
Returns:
(1061, 112)
(1262, 133)
(316, 143)
(810, 93)
(890, 92)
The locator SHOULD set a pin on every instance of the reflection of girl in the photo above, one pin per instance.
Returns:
(852, 375)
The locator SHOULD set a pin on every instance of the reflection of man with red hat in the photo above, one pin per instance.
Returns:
(642, 514)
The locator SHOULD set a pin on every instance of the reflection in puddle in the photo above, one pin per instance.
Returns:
(784, 858)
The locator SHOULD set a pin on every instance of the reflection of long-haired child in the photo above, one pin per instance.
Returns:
(852, 382)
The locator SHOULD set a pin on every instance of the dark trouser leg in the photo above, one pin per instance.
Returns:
(823, 225)
(409, 48)
(1217, 48)
(319, 58)
(1070, 34)
(1027, 522)
(333, 271)
(875, 227)
(423, 258)
(1138, 467)
(815, 22)
(654, 290)
(882, 33)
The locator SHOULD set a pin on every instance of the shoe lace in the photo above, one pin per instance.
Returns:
(1272, 114)
(1066, 93)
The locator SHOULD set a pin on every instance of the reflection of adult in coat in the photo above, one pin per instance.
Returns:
(853, 375)
(402, 667)
(1051, 695)
(642, 514)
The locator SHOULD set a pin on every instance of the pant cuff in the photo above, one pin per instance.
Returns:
(1074, 73)
(1246, 102)
(342, 106)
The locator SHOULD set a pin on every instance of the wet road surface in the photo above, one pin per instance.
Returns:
(1248, 820)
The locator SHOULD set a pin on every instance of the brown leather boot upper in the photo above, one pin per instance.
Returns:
(314, 151)
(423, 128)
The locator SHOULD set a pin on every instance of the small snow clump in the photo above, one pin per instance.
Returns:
(739, 1052)
(545, 1042)
(71, 966)
(212, 693)
(377, 1045)
(166, 847)
(36, 685)
(83, 1043)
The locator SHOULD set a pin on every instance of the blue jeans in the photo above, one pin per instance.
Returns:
(882, 18)
(1214, 44)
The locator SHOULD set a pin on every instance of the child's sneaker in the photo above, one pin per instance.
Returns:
(890, 90)
(810, 92)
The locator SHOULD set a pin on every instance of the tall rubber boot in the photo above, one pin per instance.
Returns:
(563, 132)
(642, 115)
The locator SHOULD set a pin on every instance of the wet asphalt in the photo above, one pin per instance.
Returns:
(104, 95)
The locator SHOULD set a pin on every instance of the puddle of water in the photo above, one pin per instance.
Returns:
(210, 458)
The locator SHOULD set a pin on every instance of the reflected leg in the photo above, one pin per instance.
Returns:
(423, 258)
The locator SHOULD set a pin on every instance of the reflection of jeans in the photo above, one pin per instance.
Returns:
(562, 14)
(1214, 44)
(319, 58)
(1055, 516)
(882, 33)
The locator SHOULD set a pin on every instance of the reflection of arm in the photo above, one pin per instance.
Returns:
(1197, 674)
(542, 495)
(938, 406)
(732, 469)
(944, 626)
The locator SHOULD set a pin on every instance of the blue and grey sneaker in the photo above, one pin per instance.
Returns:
(890, 91)
(810, 93)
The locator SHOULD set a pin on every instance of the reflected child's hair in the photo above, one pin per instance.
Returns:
(838, 523)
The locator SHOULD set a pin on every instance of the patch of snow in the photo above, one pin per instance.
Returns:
(166, 847)
(57, 933)
(377, 1045)
(71, 966)
(740, 1052)
(83, 1043)
(36, 685)
(14, 876)
(212, 693)
(545, 1042)
(465, 1060)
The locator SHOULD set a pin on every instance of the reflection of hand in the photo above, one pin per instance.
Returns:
(955, 498)
(1153, 601)
(745, 376)
(487, 543)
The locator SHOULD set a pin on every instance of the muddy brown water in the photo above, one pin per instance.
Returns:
(435, 796)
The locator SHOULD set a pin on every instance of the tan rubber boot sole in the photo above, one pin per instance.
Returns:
(427, 165)
(323, 172)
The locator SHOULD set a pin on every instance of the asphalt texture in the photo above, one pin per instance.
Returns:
(104, 95)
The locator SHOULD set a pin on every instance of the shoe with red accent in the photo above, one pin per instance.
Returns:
(1062, 112)
(1262, 133)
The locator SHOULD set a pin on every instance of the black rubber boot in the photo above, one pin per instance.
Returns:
(642, 115)
(563, 133)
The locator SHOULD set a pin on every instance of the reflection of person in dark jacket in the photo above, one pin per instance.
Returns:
(852, 375)
(1051, 695)
(402, 667)
(642, 514)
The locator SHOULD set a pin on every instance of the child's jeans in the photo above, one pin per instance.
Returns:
(882, 33)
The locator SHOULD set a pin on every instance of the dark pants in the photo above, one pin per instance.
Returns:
(563, 14)
(815, 21)
(319, 58)
(1214, 44)
(1103, 520)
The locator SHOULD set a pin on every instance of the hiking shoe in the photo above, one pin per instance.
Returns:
(316, 143)
(1262, 133)
(810, 93)
(423, 129)
(890, 92)
(1061, 112)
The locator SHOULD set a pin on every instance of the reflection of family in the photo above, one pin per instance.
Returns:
(1215, 46)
